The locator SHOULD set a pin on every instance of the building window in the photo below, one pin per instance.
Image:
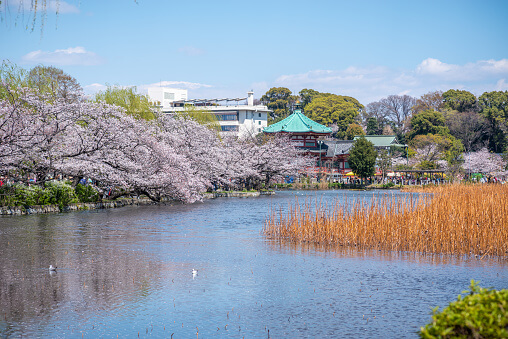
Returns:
(226, 117)
(259, 129)
(310, 144)
(229, 128)
(259, 115)
(259, 122)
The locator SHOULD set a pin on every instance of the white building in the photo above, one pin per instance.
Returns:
(164, 96)
(241, 119)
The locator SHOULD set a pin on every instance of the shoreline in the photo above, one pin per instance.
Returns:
(82, 206)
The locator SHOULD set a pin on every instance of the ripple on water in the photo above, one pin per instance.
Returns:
(123, 270)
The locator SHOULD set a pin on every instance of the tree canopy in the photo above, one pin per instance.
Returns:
(306, 96)
(362, 158)
(280, 100)
(135, 104)
(332, 109)
(459, 100)
(494, 108)
(427, 122)
(50, 82)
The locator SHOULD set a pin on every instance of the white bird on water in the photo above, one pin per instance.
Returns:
(194, 273)
(51, 268)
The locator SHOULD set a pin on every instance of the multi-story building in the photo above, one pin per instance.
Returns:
(162, 97)
(238, 116)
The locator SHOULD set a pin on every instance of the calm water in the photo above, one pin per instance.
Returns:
(127, 271)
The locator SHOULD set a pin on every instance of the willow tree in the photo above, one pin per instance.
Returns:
(201, 116)
(135, 104)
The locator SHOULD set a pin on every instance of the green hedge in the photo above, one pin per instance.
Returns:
(479, 313)
(53, 193)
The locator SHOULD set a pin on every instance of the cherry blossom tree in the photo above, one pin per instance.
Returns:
(168, 157)
(483, 161)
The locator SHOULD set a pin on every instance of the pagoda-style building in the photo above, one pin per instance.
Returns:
(304, 132)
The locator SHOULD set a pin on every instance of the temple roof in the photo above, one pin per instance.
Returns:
(297, 123)
(382, 140)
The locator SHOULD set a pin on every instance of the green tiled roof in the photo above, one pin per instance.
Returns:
(382, 140)
(297, 123)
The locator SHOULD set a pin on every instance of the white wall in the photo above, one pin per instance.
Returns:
(166, 95)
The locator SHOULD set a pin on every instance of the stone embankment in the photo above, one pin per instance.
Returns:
(39, 209)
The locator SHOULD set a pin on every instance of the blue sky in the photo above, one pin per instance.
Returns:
(365, 49)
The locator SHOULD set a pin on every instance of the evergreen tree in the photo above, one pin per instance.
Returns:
(362, 158)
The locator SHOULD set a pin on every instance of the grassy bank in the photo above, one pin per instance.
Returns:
(454, 219)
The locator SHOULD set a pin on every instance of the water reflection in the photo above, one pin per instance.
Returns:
(95, 271)
(129, 271)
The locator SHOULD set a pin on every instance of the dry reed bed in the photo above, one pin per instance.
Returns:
(454, 219)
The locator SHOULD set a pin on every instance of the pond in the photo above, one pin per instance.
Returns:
(127, 272)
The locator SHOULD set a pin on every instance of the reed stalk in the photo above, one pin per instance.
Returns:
(453, 219)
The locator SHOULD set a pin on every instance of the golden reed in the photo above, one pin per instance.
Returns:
(453, 219)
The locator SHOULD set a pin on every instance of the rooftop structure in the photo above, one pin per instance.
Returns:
(236, 116)
(163, 97)
(382, 141)
(297, 122)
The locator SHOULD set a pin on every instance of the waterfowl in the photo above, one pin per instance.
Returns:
(51, 268)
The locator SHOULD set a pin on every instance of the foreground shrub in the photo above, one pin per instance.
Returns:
(479, 313)
(58, 193)
(54, 193)
(86, 193)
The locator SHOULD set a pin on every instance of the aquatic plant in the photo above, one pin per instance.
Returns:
(454, 219)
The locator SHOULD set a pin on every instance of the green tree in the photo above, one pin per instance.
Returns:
(459, 100)
(454, 156)
(279, 100)
(427, 122)
(202, 117)
(50, 82)
(135, 104)
(362, 158)
(332, 109)
(306, 96)
(373, 126)
(354, 130)
(494, 107)
(13, 77)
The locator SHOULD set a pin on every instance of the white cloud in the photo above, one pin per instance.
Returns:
(469, 72)
(176, 84)
(366, 84)
(434, 67)
(63, 57)
(191, 51)
(373, 83)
